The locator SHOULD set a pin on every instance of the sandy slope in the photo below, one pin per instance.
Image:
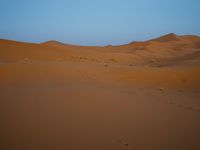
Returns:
(139, 96)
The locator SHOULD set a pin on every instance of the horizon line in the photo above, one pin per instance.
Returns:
(70, 44)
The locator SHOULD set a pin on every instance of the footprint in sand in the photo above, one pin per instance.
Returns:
(185, 107)
(124, 143)
(188, 107)
(106, 65)
(131, 65)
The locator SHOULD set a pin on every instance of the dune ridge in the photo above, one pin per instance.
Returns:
(170, 45)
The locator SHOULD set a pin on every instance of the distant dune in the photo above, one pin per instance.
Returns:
(169, 52)
(140, 96)
(169, 46)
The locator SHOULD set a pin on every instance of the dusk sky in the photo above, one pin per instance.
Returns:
(97, 22)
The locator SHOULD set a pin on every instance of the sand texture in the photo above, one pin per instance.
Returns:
(139, 96)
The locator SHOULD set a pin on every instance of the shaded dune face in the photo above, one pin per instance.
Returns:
(139, 96)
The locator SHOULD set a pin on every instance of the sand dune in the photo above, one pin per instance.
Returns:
(140, 96)
(164, 47)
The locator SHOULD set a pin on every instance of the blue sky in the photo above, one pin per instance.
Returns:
(96, 22)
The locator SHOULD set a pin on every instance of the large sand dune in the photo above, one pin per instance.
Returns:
(139, 96)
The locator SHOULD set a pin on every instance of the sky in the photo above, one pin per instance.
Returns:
(97, 22)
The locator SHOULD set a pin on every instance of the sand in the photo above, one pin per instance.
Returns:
(138, 96)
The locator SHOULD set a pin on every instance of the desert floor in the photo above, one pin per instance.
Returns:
(61, 97)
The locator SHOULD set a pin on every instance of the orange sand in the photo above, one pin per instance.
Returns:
(139, 96)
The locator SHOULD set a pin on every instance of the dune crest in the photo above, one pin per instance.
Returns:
(168, 38)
